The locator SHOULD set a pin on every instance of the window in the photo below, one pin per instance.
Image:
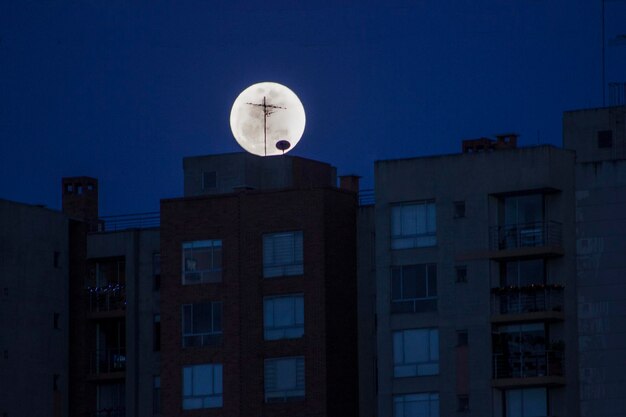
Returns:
(156, 394)
(413, 225)
(156, 345)
(414, 288)
(522, 273)
(282, 254)
(461, 274)
(202, 386)
(461, 338)
(462, 403)
(202, 261)
(283, 317)
(202, 324)
(416, 405)
(156, 271)
(209, 180)
(528, 402)
(459, 209)
(415, 352)
(605, 139)
(284, 379)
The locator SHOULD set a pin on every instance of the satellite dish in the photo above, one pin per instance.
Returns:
(283, 145)
(267, 119)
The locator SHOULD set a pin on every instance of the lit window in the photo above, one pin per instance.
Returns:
(284, 379)
(416, 405)
(282, 254)
(202, 386)
(413, 225)
(415, 352)
(283, 317)
(202, 324)
(202, 261)
(414, 288)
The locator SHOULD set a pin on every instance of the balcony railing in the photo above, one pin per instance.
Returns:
(526, 235)
(106, 361)
(527, 364)
(109, 298)
(128, 221)
(107, 412)
(528, 299)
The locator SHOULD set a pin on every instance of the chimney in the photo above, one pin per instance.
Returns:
(80, 199)
(349, 182)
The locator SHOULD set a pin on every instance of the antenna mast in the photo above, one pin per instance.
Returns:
(267, 110)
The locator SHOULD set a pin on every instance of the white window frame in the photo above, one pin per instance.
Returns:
(401, 403)
(273, 267)
(206, 338)
(210, 275)
(402, 368)
(402, 234)
(293, 390)
(193, 398)
(295, 329)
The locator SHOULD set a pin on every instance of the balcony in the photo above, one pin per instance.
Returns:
(533, 302)
(526, 239)
(108, 363)
(109, 301)
(528, 368)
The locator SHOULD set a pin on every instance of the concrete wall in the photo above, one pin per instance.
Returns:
(475, 179)
(142, 362)
(237, 170)
(580, 133)
(32, 291)
(601, 245)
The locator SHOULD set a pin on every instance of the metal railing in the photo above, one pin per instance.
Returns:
(367, 197)
(527, 364)
(107, 412)
(101, 299)
(526, 235)
(529, 299)
(129, 221)
(105, 361)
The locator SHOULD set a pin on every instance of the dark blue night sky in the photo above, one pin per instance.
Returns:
(123, 90)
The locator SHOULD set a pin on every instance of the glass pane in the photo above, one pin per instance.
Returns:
(409, 220)
(284, 311)
(268, 312)
(432, 281)
(202, 380)
(531, 272)
(416, 346)
(514, 403)
(411, 283)
(187, 381)
(202, 321)
(217, 379)
(420, 221)
(298, 250)
(431, 218)
(434, 345)
(434, 407)
(420, 290)
(285, 374)
(534, 402)
(300, 310)
(192, 403)
(396, 286)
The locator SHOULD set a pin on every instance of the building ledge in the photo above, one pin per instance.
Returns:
(107, 376)
(112, 314)
(535, 315)
(516, 253)
(544, 381)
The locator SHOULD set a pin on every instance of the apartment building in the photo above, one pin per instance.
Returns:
(114, 324)
(599, 138)
(34, 311)
(258, 262)
(475, 265)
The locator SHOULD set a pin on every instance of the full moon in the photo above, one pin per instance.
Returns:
(267, 119)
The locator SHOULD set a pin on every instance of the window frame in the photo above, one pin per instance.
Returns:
(416, 369)
(406, 240)
(277, 268)
(295, 393)
(214, 393)
(403, 399)
(429, 267)
(213, 274)
(283, 329)
(212, 338)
